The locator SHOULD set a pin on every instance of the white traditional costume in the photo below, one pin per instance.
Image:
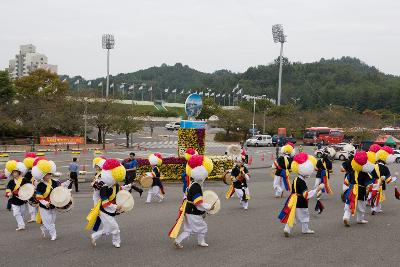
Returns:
(193, 208)
(282, 170)
(296, 206)
(157, 188)
(106, 208)
(42, 171)
(15, 171)
(354, 187)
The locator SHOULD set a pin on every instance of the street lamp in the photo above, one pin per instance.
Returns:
(108, 43)
(279, 37)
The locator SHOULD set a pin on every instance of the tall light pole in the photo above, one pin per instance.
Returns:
(279, 37)
(108, 43)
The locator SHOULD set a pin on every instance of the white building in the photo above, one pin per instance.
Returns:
(27, 61)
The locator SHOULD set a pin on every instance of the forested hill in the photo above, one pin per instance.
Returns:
(347, 82)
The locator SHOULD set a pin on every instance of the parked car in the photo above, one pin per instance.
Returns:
(259, 140)
(340, 153)
(173, 126)
(396, 153)
(282, 140)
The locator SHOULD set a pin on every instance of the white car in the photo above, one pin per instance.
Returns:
(396, 153)
(173, 126)
(340, 153)
(259, 140)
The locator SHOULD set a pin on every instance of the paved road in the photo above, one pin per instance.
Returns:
(236, 237)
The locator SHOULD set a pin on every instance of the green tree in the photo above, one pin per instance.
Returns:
(7, 91)
(209, 108)
(126, 123)
(40, 97)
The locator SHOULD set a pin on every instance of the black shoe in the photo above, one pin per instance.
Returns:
(140, 192)
(373, 213)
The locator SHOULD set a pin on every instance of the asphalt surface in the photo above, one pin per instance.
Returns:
(236, 237)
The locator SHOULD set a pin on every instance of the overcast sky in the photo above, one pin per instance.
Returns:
(205, 34)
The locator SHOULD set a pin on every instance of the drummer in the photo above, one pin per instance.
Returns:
(194, 208)
(240, 177)
(43, 171)
(157, 189)
(106, 208)
(15, 171)
(28, 161)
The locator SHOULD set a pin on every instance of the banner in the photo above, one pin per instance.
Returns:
(61, 140)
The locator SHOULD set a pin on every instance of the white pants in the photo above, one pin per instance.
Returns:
(377, 208)
(18, 212)
(48, 221)
(317, 182)
(32, 211)
(193, 224)
(360, 211)
(154, 191)
(110, 227)
(239, 194)
(303, 217)
(278, 186)
(96, 196)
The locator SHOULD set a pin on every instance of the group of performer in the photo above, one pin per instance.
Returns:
(35, 174)
(365, 180)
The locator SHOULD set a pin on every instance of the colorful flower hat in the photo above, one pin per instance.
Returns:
(361, 162)
(288, 149)
(386, 155)
(14, 165)
(303, 164)
(112, 172)
(42, 167)
(189, 153)
(99, 161)
(199, 167)
(155, 159)
(29, 159)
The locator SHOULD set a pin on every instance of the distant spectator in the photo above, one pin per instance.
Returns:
(73, 174)
(131, 165)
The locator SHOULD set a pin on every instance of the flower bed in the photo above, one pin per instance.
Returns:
(173, 167)
(191, 138)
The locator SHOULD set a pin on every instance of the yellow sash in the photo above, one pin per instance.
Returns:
(48, 189)
(92, 216)
(292, 205)
(95, 211)
(17, 184)
(45, 195)
(176, 228)
(355, 192)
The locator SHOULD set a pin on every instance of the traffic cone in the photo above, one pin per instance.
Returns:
(262, 157)
(250, 160)
(272, 156)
